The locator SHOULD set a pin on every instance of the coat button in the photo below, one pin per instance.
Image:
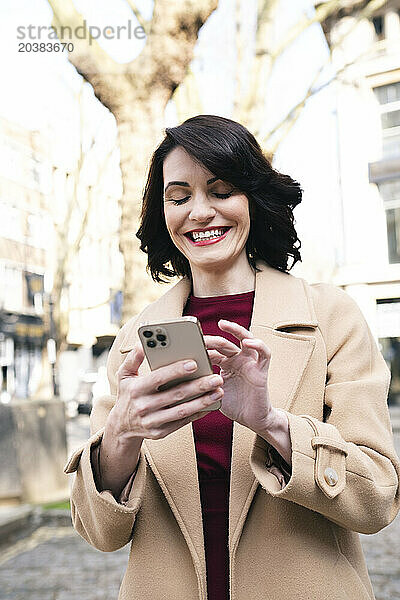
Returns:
(331, 477)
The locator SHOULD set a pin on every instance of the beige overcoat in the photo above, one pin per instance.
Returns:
(299, 542)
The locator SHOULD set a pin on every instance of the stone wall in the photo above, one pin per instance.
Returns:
(33, 450)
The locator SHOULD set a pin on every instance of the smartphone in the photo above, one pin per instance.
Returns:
(168, 341)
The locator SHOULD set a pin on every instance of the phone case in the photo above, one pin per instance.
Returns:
(168, 341)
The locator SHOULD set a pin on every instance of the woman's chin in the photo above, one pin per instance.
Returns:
(210, 262)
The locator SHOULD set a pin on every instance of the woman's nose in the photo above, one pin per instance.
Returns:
(201, 209)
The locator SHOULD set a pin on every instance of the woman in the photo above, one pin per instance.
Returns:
(264, 497)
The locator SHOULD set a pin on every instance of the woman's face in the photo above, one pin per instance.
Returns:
(195, 201)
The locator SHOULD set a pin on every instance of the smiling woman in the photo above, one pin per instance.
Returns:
(265, 496)
(212, 214)
(203, 173)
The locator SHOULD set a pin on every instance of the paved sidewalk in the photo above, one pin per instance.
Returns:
(13, 518)
(54, 563)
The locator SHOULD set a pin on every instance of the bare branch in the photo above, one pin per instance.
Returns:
(92, 306)
(266, 55)
(187, 98)
(144, 23)
(321, 13)
(88, 56)
(161, 65)
(67, 250)
(239, 54)
(252, 102)
(365, 13)
(292, 116)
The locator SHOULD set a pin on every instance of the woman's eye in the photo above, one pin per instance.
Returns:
(182, 200)
(177, 202)
(223, 195)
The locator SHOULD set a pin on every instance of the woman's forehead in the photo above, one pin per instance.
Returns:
(179, 164)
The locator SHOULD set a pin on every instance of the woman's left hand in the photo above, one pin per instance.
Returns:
(245, 374)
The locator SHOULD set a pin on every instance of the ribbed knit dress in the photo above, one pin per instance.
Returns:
(213, 442)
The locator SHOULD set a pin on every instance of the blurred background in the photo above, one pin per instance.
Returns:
(87, 89)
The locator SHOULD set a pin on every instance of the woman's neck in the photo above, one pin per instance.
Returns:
(234, 280)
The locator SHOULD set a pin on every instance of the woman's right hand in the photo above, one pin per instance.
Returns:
(142, 412)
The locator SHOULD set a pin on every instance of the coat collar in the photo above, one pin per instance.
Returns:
(281, 300)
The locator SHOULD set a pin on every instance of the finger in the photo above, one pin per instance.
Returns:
(175, 425)
(278, 474)
(132, 362)
(216, 357)
(183, 391)
(264, 353)
(151, 382)
(235, 329)
(183, 410)
(217, 342)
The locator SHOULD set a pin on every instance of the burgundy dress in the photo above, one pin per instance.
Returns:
(213, 441)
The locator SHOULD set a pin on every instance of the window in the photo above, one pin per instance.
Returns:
(11, 223)
(379, 26)
(11, 288)
(388, 93)
(390, 348)
(390, 192)
(39, 229)
(34, 288)
(388, 97)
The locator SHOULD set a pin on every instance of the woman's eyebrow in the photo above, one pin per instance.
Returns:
(186, 184)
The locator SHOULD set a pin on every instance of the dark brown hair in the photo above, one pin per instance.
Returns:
(231, 153)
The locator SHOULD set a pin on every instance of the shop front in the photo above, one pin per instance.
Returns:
(22, 339)
(388, 312)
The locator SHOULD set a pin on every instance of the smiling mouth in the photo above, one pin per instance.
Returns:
(200, 238)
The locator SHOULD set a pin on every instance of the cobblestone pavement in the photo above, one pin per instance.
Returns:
(382, 553)
(54, 563)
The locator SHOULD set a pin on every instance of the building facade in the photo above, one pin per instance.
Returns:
(366, 54)
(42, 226)
(23, 263)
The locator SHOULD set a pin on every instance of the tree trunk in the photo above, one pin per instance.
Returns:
(137, 93)
(140, 124)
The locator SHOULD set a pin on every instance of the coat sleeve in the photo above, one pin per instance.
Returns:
(344, 467)
(102, 520)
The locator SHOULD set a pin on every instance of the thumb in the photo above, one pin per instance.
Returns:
(132, 362)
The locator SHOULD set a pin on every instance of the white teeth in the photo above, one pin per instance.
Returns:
(198, 235)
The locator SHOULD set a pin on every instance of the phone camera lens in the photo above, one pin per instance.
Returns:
(151, 343)
(161, 337)
(147, 333)
(163, 344)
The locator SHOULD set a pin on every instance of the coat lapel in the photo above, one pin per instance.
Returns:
(280, 301)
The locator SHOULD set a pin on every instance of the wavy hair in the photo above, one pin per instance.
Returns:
(231, 153)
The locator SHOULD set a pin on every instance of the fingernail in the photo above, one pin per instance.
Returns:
(190, 365)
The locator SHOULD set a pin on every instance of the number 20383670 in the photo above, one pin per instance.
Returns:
(45, 47)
